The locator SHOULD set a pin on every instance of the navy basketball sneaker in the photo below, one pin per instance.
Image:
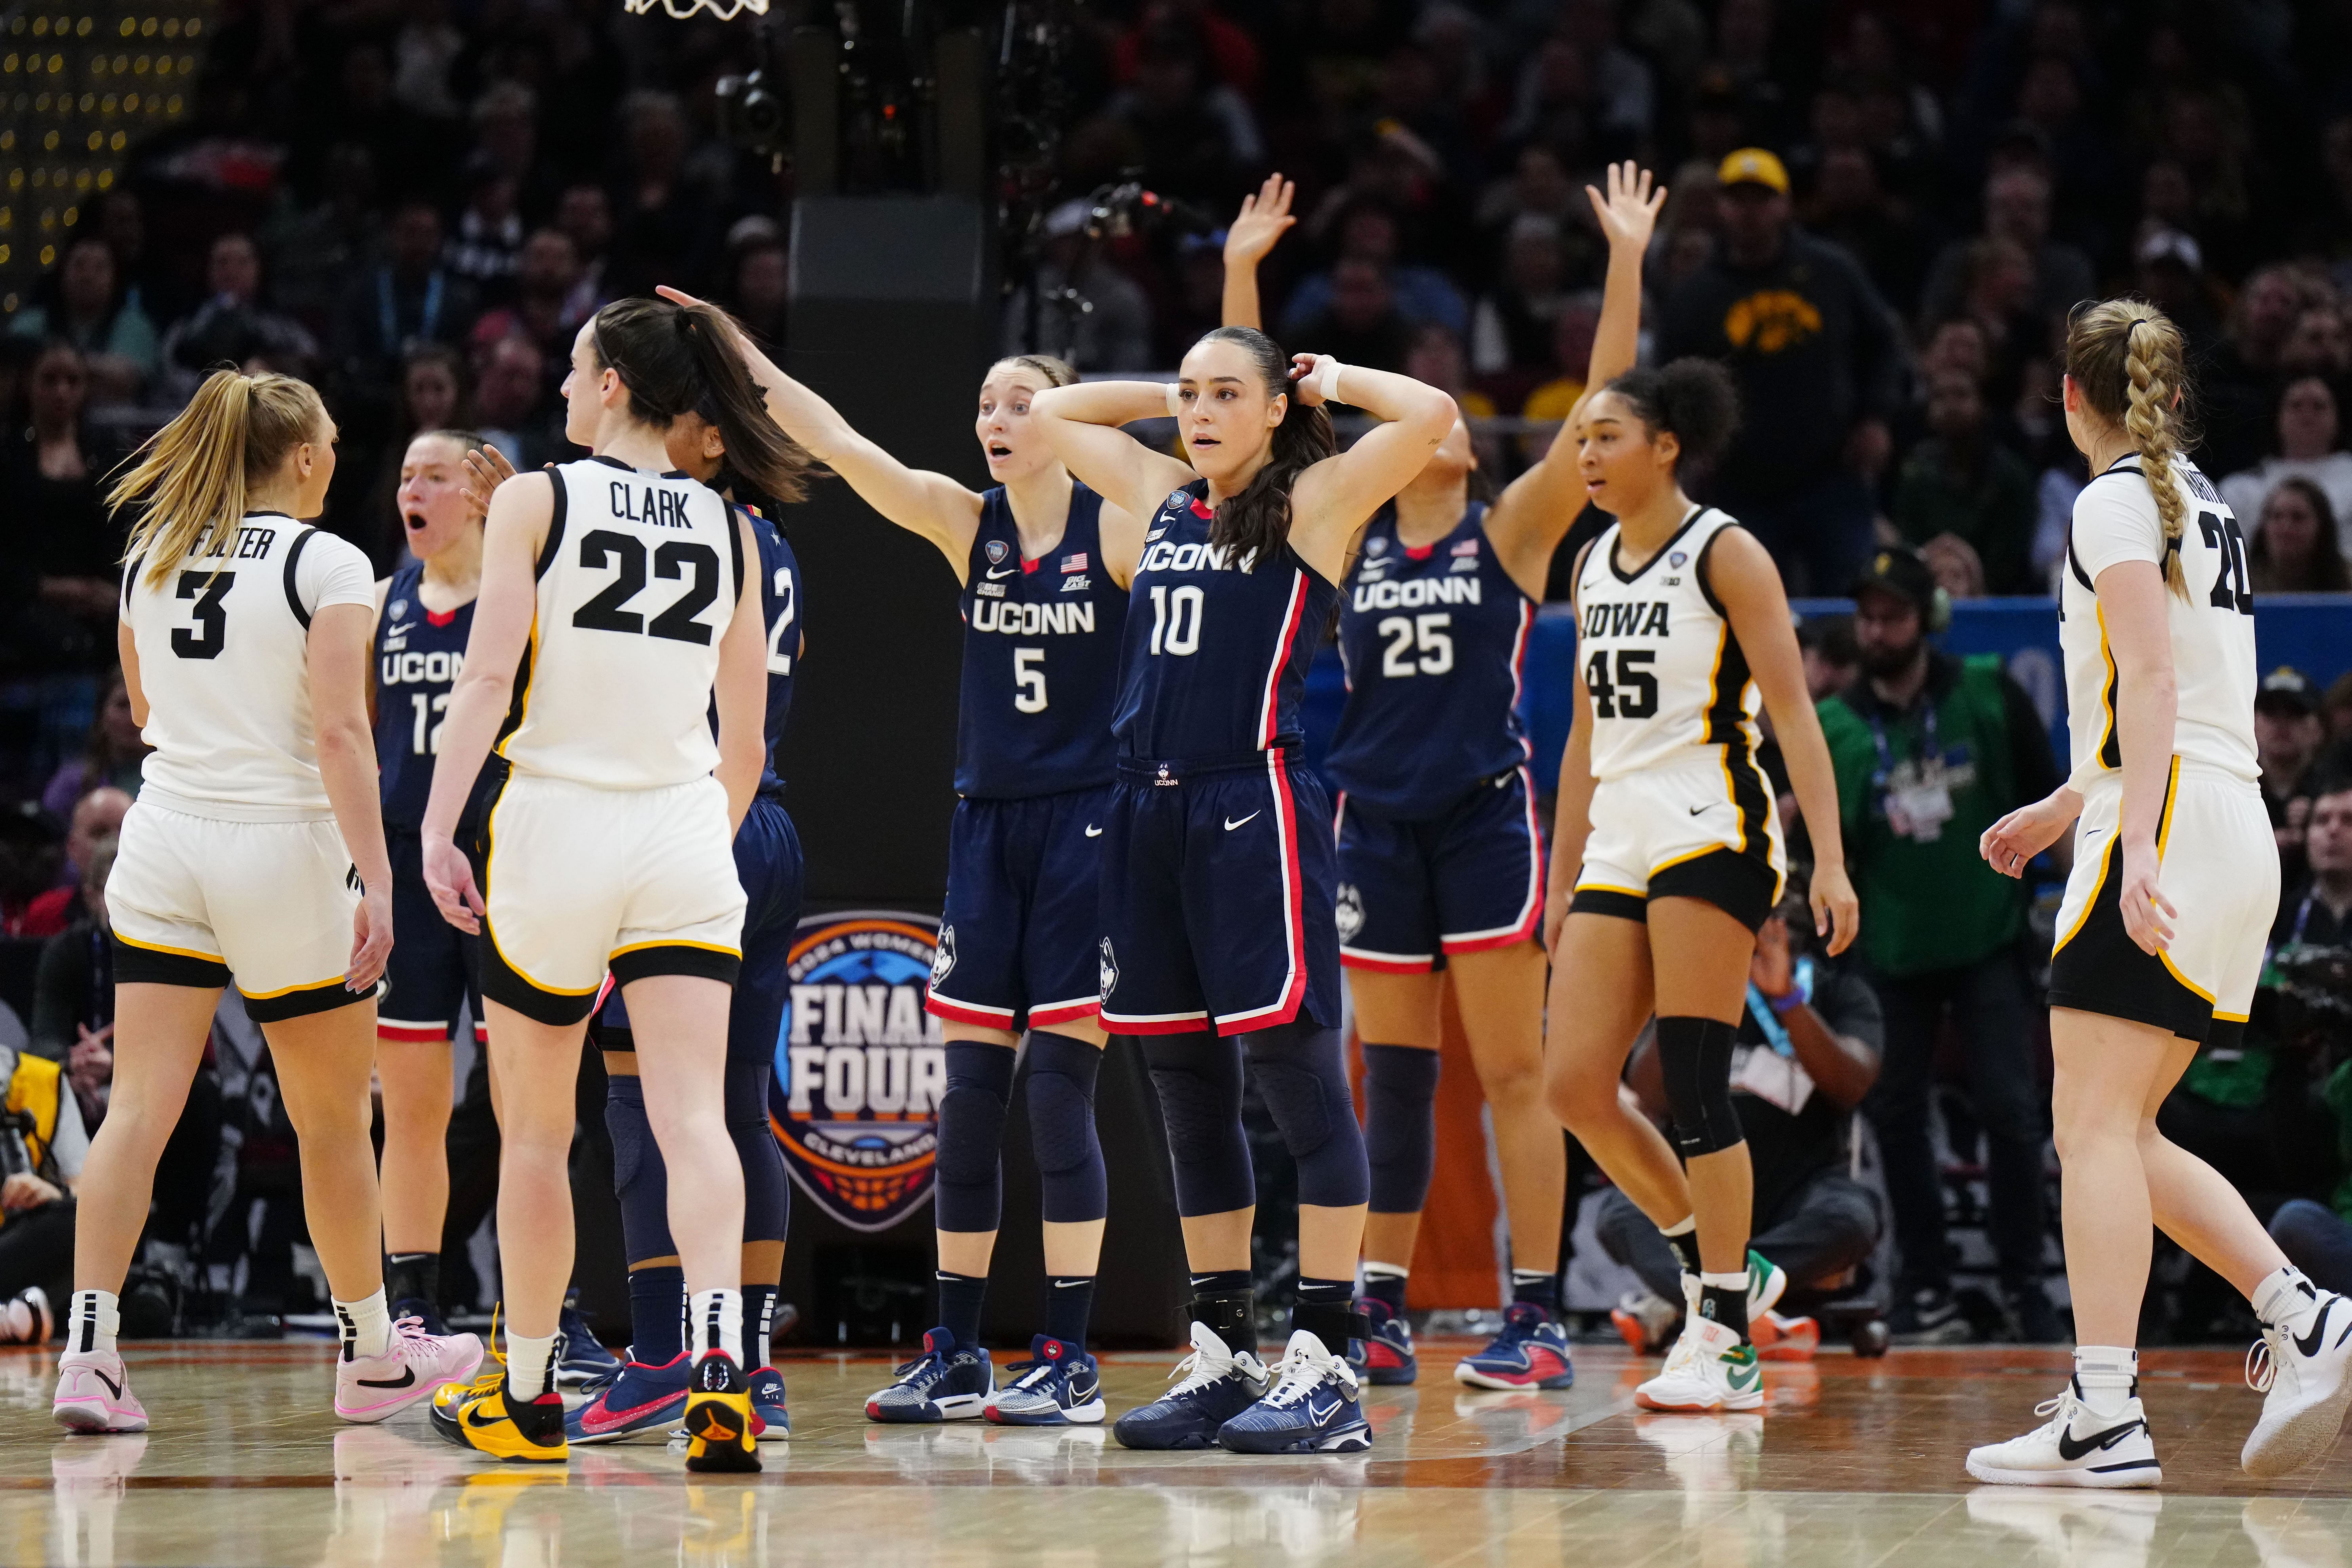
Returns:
(1314, 1407)
(1389, 1356)
(1530, 1352)
(1218, 1384)
(1058, 1385)
(943, 1384)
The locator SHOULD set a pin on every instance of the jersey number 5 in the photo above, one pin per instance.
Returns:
(2231, 588)
(674, 558)
(1633, 694)
(210, 591)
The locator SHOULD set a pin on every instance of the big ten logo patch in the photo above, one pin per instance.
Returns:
(860, 1067)
(1772, 321)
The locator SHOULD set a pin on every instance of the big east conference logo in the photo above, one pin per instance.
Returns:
(861, 1067)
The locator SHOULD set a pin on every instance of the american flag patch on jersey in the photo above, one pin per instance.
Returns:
(1074, 562)
(1467, 547)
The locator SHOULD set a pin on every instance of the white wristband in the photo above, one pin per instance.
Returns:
(1172, 400)
(1327, 384)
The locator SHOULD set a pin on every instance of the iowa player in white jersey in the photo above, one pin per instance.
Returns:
(2161, 933)
(1666, 853)
(255, 856)
(615, 606)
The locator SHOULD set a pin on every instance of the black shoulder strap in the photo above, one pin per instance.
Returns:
(293, 562)
(554, 523)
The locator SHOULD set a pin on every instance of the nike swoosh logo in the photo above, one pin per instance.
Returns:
(113, 1388)
(1071, 1284)
(2309, 1343)
(407, 1379)
(1710, 805)
(478, 1425)
(1252, 816)
(1320, 1415)
(611, 1418)
(1000, 572)
(2069, 1450)
(1741, 1382)
(1093, 832)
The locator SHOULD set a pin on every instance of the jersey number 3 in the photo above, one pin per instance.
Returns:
(210, 634)
(674, 558)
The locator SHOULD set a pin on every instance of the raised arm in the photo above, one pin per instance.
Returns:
(1082, 424)
(1264, 219)
(1538, 507)
(1332, 498)
(1746, 584)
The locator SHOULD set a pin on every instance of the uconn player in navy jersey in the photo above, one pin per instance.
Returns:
(1045, 564)
(1667, 836)
(423, 614)
(1441, 861)
(1218, 936)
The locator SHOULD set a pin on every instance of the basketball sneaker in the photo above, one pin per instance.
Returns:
(718, 1434)
(2303, 1368)
(94, 1395)
(641, 1399)
(1389, 1356)
(1644, 1320)
(495, 1423)
(1314, 1407)
(423, 1311)
(943, 1384)
(1530, 1351)
(771, 1421)
(580, 1358)
(1711, 1367)
(1767, 1283)
(2074, 1448)
(412, 1366)
(1217, 1385)
(1778, 1337)
(26, 1319)
(1058, 1385)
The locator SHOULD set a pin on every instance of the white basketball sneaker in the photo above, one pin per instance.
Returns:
(1711, 1367)
(2303, 1367)
(414, 1364)
(2074, 1448)
(94, 1395)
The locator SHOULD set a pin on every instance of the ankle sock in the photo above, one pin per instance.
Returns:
(1069, 1303)
(1724, 1298)
(960, 1296)
(657, 1313)
(714, 1321)
(527, 1361)
(2284, 1297)
(1384, 1283)
(758, 1322)
(413, 1277)
(364, 1326)
(92, 1322)
(1536, 1288)
(2106, 1376)
(1682, 1236)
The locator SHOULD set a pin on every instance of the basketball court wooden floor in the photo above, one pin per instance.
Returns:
(1857, 1463)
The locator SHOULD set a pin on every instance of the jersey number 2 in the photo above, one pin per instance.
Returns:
(2231, 588)
(673, 558)
(1633, 694)
(210, 591)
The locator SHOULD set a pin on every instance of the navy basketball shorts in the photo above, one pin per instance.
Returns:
(1463, 882)
(435, 967)
(1217, 887)
(1017, 938)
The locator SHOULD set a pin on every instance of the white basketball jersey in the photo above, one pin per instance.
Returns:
(1665, 672)
(637, 583)
(2213, 663)
(223, 661)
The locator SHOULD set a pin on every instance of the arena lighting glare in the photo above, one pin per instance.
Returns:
(679, 10)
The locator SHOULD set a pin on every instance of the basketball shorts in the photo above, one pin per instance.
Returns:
(197, 901)
(768, 863)
(1410, 891)
(1702, 829)
(2218, 865)
(434, 968)
(1017, 941)
(1217, 888)
(579, 881)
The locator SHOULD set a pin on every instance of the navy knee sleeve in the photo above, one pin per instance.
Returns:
(640, 1180)
(1303, 1079)
(1198, 1078)
(971, 1134)
(1061, 1099)
(767, 1191)
(1695, 1056)
(1400, 1125)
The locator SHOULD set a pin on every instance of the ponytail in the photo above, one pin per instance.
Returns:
(196, 471)
(2127, 357)
(1256, 523)
(674, 358)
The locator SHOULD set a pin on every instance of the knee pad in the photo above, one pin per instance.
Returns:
(1303, 1079)
(767, 1191)
(1695, 1056)
(746, 1092)
(1198, 1080)
(1061, 1101)
(640, 1180)
(971, 1134)
(1400, 1125)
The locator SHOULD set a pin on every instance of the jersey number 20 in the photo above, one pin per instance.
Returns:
(673, 558)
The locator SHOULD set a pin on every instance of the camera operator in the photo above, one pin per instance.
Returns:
(2318, 914)
(1087, 311)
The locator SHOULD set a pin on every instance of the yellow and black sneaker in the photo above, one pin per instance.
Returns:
(719, 1417)
(495, 1423)
(449, 1395)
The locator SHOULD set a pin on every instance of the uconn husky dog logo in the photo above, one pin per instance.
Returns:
(861, 1067)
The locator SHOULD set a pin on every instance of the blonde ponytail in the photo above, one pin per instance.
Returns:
(195, 472)
(2127, 357)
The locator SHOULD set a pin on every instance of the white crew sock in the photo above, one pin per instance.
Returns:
(1681, 1227)
(365, 1325)
(714, 1321)
(527, 1362)
(2284, 1297)
(93, 1323)
(2105, 1374)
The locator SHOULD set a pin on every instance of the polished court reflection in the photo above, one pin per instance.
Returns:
(1855, 1463)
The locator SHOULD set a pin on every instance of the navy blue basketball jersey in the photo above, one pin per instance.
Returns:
(1217, 646)
(1040, 658)
(417, 656)
(1433, 639)
(780, 603)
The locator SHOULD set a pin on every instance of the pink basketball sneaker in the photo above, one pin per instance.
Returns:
(94, 1395)
(370, 1388)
